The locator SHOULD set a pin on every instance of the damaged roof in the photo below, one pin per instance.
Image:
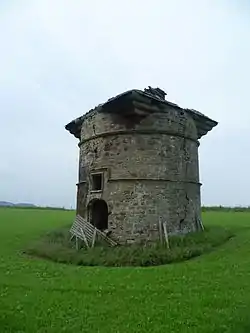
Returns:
(151, 96)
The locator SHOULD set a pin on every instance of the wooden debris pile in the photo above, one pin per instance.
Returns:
(85, 231)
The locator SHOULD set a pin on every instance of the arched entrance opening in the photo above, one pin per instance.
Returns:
(98, 213)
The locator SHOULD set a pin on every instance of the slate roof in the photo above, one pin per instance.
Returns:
(203, 123)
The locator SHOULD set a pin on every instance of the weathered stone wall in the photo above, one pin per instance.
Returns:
(150, 170)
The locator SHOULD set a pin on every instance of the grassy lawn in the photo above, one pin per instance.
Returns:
(208, 294)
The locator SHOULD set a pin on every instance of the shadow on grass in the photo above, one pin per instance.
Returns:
(239, 323)
(11, 323)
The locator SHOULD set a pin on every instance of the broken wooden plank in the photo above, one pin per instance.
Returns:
(84, 238)
(160, 230)
(86, 232)
(93, 239)
(166, 234)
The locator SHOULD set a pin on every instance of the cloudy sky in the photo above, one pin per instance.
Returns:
(59, 58)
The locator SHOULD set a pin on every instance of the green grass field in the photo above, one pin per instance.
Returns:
(208, 294)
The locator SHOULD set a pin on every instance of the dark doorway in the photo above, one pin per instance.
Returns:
(98, 214)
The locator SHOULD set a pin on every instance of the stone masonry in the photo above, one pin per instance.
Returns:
(138, 163)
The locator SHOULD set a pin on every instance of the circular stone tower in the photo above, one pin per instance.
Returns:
(139, 165)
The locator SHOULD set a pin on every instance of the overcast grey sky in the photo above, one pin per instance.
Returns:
(59, 58)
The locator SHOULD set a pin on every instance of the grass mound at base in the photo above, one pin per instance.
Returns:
(57, 246)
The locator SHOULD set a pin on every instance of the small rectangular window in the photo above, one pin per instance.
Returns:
(97, 181)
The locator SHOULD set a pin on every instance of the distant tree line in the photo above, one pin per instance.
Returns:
(225, 209)
(38, 207)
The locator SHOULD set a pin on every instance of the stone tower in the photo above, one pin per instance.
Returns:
(138, 162)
